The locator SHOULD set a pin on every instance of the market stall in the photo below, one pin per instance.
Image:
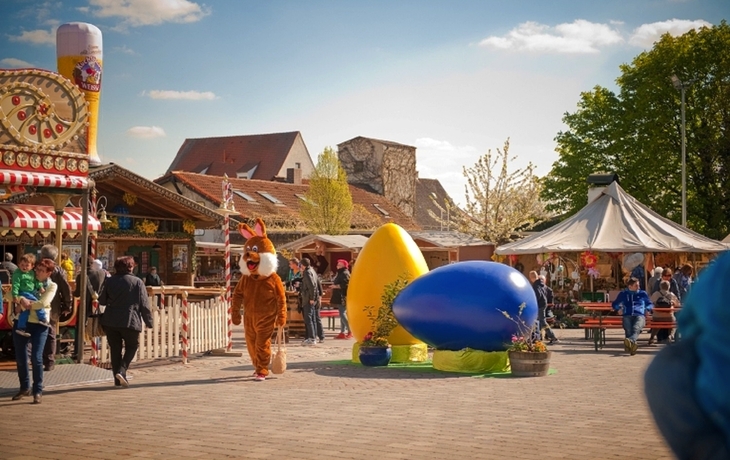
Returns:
(594, 249)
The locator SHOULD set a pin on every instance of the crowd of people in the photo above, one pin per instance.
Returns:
(304, 280)
(41, 293)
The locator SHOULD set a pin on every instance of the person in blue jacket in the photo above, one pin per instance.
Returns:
(686, 384)
(634, 303)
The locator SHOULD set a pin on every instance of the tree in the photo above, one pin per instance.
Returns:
(637, 133)
(499, 202)
(328, 205)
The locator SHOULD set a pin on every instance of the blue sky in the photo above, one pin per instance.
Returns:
(452, 78)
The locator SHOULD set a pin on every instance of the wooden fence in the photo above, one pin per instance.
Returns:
(207, 327)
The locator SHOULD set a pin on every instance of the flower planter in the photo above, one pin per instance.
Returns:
(375, 356)
(529, 364)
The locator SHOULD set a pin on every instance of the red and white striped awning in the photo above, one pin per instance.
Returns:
(35, 179)
(42, 219)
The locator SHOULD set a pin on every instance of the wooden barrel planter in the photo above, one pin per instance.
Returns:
(529, 364)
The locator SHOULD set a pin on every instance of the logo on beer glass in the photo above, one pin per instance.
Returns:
(87, 74)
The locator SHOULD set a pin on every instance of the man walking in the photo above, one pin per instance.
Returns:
(541, 293)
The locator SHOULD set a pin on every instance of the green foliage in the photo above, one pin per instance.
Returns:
(499, 202)
(328, 206)
(384, 321)
(637, 133)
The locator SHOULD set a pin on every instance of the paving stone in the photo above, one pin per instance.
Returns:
(321, 409)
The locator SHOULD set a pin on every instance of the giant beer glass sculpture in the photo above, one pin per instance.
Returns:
(79, 55)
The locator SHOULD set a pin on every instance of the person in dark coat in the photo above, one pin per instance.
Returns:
(540, 292)
(8, 264)
(127, 306)
(62, 303)
(95, 278)
(311, 295)
(339, 297)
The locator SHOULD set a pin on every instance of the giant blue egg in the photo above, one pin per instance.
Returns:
(461, 306)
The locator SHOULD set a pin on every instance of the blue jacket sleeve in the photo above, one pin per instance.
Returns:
(706, 317)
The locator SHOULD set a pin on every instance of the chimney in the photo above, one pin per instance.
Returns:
(294, 176)
(598, 182)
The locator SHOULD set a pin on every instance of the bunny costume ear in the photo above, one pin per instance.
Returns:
(258, 230)
(246, 231)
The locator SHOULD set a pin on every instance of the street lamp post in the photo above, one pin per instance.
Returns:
(678, 84)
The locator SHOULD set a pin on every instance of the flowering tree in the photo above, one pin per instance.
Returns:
(328, 207)
(499, 202)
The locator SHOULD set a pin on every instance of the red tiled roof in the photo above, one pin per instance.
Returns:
(232, 154)
(209, 187)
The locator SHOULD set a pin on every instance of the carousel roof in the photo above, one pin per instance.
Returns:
(614, 222)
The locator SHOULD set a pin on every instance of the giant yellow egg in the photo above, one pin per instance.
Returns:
(389, 254)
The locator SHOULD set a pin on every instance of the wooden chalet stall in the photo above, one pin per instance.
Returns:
(144, 220)
(446, 247)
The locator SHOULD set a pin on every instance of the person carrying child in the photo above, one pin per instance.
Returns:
(25, 285)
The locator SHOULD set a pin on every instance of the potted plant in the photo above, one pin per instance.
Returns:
(375, 349)
(528, 354)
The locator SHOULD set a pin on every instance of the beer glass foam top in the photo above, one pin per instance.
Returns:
(79, 55)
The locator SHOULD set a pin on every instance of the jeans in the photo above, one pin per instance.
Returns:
(344, 323)
(318, 321)
(542, 324)
(115, 336)
(670, 392)
(633, 326)
(308, 312)
(49, 351)
(38, 334)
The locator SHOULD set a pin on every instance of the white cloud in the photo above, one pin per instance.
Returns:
(124, 49)
(36, 37)
(646, 34)
(578, 37)
(15, 63)
(185, 95)
(426, 143)
(137, 13)
(146, 132)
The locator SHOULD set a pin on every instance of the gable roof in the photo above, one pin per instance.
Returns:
(235, 154)
(614, 222)
(371, 210)
(428, 190)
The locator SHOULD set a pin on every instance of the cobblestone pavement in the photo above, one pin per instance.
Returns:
(591, 408)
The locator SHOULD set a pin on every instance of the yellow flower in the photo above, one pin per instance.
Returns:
(188, 226)
(129, 198)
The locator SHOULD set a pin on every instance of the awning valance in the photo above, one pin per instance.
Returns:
(35, 179)
(42, 219)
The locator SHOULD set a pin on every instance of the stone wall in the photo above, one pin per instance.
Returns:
(386, 167)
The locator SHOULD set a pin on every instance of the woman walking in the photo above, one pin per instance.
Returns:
(127, 305)
(37, 334)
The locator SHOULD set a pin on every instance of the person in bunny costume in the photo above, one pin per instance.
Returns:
(259, 296)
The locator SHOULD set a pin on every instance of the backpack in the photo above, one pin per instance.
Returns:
(663, 302)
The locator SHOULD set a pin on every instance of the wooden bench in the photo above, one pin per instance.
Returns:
(595, 328)
(330, 315)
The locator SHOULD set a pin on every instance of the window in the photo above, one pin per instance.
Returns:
(383, 211)
(304, 198)
(297, 165)
(359, 166)
(245, 196)
(271, 198)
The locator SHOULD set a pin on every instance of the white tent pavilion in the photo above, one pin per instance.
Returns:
(614, 222)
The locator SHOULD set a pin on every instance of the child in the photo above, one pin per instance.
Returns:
(26, 285)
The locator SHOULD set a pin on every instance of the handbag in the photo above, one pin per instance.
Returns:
(278, 359)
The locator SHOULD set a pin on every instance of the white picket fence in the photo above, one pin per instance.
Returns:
(207, 326)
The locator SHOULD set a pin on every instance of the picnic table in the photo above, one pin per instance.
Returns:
(601, 319)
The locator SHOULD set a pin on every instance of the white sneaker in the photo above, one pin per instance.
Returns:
(308, 342)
